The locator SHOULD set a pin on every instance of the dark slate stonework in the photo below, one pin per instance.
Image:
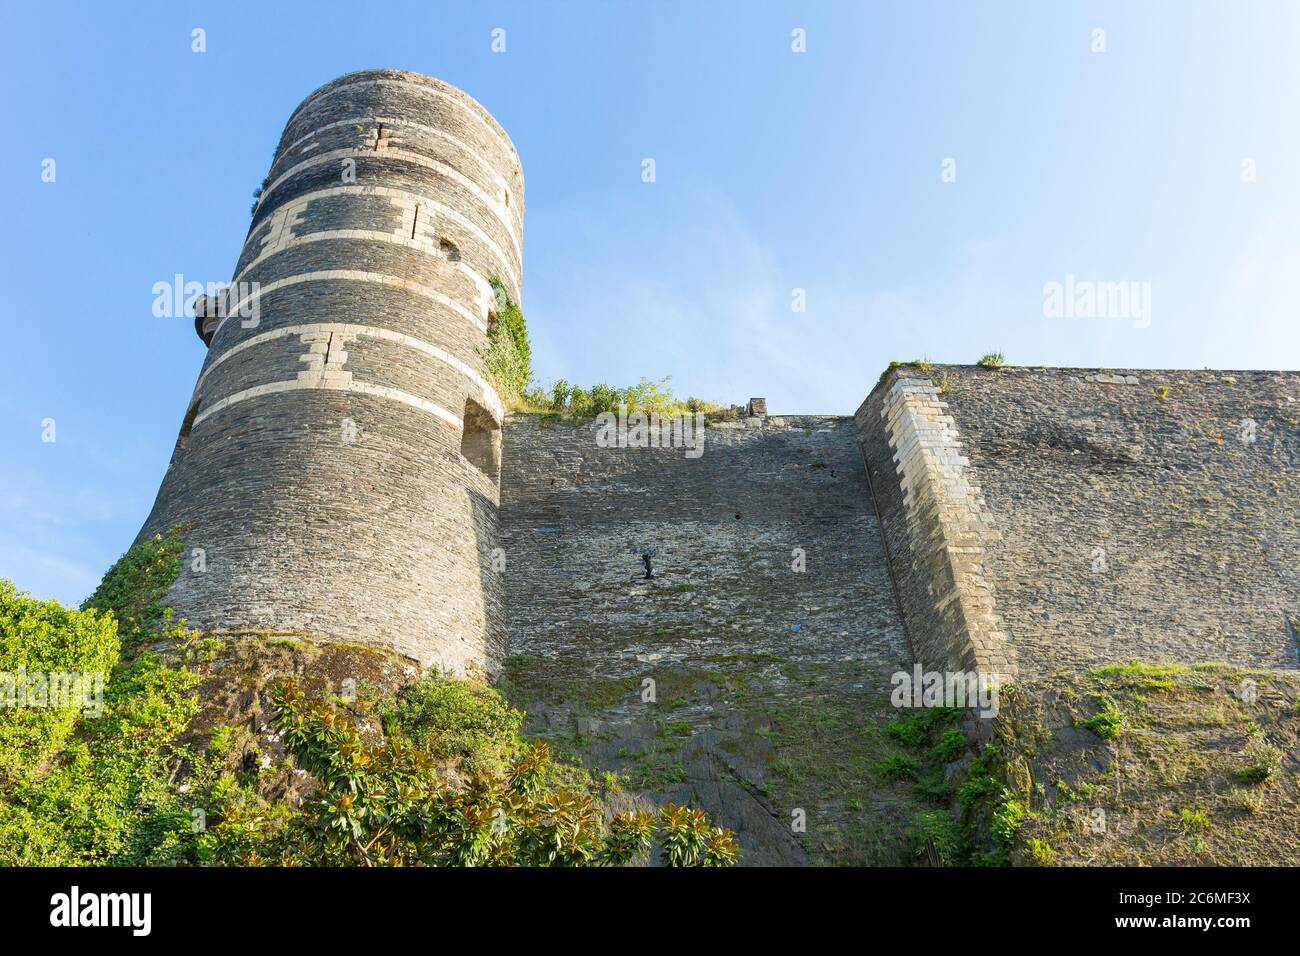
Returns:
(725, 607)
(1132, 515)
(722, 530)
(321, 470)
(340, 472)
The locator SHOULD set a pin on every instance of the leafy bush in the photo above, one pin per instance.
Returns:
(982, 781)
(39, 638)
(951, 745)
(454, 719)
(134, 587)
(1040, 852)
(896, 766)
(689, 840)
(1108, 722)
(914, 729)
(579, 403)
(109, 800)
(509, 355)
(1008, 817)
(387, 805)
(992, 360)
(937, 838)
(97, 789)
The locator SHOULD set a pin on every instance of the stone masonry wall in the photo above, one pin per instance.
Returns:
(939, 528)
(742, 646)
(323, 466)
(1135, 513)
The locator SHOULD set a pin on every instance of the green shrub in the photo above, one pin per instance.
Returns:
(1107, 723)
(896, 766)
(982, 781)
(40, 638)
(109, 798)
(93, 789)
(1040, 852)
(134, 587)
(937, 838)
(992, 360)
(1008, 817)
(387, 805)
(951, 745)
(579, 403)
(455, 719)
(915, 728)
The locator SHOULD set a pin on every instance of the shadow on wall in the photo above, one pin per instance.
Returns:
(491, 573)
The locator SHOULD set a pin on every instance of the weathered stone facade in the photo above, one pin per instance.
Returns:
(770, 596)
(339, 462)
(1116, 515)
(940, 530)
(339, 467)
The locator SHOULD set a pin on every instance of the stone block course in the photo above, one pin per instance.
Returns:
(320, 469)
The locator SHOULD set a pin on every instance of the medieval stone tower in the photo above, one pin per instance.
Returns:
(339, 462)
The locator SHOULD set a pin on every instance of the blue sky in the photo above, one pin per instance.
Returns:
(775, 171)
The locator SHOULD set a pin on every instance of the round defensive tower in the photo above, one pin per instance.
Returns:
(339, 460)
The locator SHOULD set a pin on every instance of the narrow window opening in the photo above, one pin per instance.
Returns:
(415, 220)
(480, 440)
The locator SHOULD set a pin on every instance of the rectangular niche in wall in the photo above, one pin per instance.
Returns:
(480, 440)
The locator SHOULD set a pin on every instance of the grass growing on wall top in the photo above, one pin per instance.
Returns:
(572, 401)
(508, 358)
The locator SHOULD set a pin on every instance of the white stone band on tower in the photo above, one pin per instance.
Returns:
(339, 462)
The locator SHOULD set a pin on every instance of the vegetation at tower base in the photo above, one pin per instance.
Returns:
(97, 789)
(388, 805)
(195, 759)
(44, 636)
